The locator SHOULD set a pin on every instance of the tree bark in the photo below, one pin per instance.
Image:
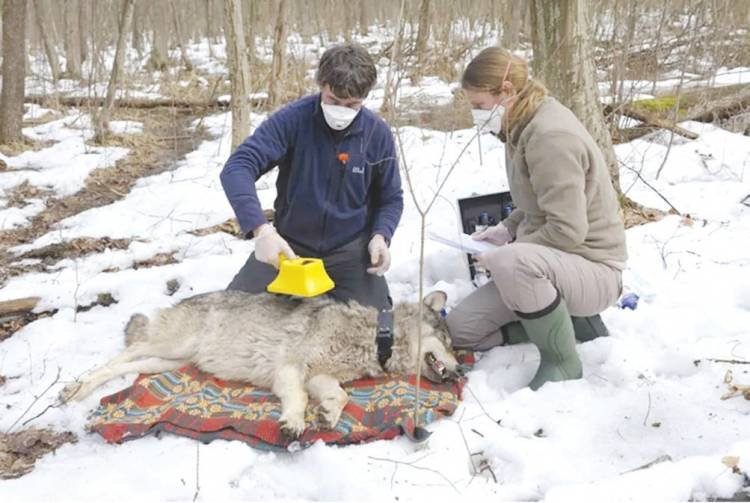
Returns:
(563, 59)
(389, 93)
(276, 88)
(46, 31)
(125, 14)
(363, 18)
(423, 34)
(209, 28)
(72, 40)
(251, 12)
(82, 40)
(239, 71)
(14, 70)
(179, 37)
(138, 27)
(512, 24)
(159, 58)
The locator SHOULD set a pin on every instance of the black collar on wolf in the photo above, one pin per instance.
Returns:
(384, 336)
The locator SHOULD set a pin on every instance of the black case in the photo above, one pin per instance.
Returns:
(497, 206)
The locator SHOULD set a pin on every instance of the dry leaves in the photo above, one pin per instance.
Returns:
(19, 451)
(735, 389)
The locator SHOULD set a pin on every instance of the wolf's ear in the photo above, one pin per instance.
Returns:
(436, 300)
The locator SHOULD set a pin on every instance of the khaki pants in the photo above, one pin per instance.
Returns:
(526, 278)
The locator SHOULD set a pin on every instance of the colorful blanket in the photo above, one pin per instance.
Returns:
(194, 404)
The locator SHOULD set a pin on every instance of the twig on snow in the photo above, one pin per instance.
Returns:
(36, 399)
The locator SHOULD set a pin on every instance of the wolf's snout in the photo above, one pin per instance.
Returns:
(437, 371)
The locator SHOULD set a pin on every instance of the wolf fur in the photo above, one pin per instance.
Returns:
(295, 347)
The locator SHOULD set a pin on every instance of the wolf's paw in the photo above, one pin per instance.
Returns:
(330, 410)
(70, 392)
(292, 425)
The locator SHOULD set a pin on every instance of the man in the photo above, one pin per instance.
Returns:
(339, 193)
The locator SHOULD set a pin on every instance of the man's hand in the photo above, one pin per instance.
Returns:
(268, 245)
(380, 255)
(497, 235)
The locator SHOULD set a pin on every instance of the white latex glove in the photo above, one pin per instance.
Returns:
(268, 245)
(497, 235)
(380, 255)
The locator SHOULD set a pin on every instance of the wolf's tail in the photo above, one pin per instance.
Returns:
(135, 330)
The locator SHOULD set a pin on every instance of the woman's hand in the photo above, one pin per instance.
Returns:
(497, 235)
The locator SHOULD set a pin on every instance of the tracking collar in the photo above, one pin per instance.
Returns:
(384, 336)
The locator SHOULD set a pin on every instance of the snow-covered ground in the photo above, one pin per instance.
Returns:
(648, 391)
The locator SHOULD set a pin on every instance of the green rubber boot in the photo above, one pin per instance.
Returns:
(586, 328)
(552, 333)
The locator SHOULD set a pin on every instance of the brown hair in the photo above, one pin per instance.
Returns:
(485, 72)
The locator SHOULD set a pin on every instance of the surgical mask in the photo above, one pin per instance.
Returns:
(489, 120)
(338, 117)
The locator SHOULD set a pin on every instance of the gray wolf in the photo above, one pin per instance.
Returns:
(294, 347)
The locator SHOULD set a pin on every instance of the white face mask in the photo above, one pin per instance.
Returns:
(489, 120)
(338, 117)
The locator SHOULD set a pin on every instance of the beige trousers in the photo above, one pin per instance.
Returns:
(527, 278)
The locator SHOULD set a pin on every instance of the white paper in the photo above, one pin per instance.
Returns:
(462, 242)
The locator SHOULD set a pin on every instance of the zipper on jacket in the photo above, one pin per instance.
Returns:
(341, 167)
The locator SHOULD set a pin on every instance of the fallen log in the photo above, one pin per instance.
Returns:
(18, 306)
(724, 108)
(142, 103)
(651, 120)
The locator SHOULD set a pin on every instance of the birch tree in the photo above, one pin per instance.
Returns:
(239, 71)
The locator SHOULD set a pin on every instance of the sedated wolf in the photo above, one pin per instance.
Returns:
(292, 346)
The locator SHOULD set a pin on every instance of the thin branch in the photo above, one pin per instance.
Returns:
(424, 468)
(36, 399)
(650, 187)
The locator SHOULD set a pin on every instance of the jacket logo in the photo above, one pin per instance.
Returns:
(359, 170)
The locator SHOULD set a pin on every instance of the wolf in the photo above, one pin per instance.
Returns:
(295, 347)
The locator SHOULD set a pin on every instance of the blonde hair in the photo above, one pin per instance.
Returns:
(485, 73)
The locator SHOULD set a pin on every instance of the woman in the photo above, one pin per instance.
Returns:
(562, 250)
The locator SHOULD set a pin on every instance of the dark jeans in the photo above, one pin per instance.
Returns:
(345, 265)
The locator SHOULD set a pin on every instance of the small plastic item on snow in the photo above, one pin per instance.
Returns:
(628, 301)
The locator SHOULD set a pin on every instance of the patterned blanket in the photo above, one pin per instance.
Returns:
(195, 404)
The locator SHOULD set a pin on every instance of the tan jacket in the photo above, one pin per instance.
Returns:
(562, 189)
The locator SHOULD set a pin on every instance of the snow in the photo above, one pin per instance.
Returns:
(649, 390)
(61, 167)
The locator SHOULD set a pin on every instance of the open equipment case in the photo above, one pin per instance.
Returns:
(480, 212)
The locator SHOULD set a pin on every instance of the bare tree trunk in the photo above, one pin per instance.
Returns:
(159, 58)
(563, 59)
(250, 13)
(14, 70)
(125, 14)
(179, 37)
(138, 27)
(276, 86)
(72, 40)
(389, 93)
(512, 24)
(363, 18)
(423, 34)
(46, 29)
(239, 71)
(209, 28)
(83, 41)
